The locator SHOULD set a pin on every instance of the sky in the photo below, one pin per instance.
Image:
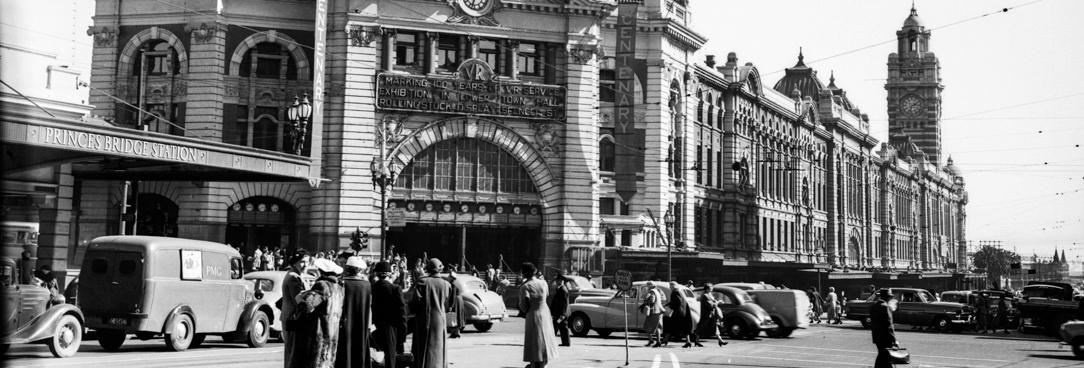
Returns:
(1013, 103)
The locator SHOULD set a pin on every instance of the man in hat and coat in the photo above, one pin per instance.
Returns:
(389, 313)
(559, 309)
(884, 333)
(292, 286)
(431, 299)
(355, 321)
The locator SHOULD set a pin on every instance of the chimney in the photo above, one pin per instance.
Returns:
(710, 61)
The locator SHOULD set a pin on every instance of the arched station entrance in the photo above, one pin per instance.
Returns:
(469, 202)
(260, 221)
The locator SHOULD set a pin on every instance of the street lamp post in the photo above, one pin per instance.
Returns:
(668, 219)
(384, 174)
(299, 114)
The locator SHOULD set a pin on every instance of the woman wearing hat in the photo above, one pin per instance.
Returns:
(354, 326)
(429, 302)
(389, 313)
(652, 307)
(539, 341)
(319, 311)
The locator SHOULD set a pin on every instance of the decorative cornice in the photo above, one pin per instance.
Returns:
(103, 36)
(363, 35)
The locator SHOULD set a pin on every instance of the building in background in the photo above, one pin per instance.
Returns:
(490, 135)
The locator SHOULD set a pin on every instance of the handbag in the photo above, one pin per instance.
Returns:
(898, 355)
(668, 311)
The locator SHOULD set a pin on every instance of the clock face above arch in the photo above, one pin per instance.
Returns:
(911, 105)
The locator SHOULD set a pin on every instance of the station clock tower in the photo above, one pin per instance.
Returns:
(914, 88)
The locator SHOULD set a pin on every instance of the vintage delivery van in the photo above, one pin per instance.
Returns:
(183, 289)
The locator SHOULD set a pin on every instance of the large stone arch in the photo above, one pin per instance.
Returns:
(274, 37)
(128, 53)
(488, 130)
(296, 194)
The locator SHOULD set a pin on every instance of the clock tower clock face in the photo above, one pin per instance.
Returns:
(911, 105)
(476, 5)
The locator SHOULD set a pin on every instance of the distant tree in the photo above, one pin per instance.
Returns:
(996, 261)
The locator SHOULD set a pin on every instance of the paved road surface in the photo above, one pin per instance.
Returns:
(820, 346)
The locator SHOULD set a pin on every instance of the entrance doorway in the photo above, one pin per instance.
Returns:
(483, 245)
(258, 222)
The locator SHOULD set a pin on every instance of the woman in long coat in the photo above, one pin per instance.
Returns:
(652, 307)
(539, 341)
(319, 309)
(709, 317)
(816, 302)
(430, 300)
(354, 329)
(681, 320)
(831, 304)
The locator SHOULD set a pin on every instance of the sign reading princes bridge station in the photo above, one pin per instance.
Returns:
(473, 89)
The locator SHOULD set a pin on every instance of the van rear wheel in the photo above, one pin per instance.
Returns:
(184, 331)
(111, 340)
(260, 331)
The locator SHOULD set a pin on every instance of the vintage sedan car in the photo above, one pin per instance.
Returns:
(916, 307)
(606, 313)
(742, 317)
(33, 315)
(748, 285)
(1072, 333)
(577, 286)
(968, 297)
(270, 283)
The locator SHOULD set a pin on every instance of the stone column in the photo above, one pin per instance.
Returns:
(55, 225)
(103, 69)
(202, 210)
(206, 71)
(578, 209)
(350, 199)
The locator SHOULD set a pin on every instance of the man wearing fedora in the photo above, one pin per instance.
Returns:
(884, 333)
(389, 313)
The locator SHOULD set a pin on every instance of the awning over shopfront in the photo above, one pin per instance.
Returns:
(102, 151)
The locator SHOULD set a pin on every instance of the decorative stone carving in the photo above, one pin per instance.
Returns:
(478, 12)
(203, 33)
(546, 138)
(335, 89)
(103, 36)
(363, 35)
(180, 88)
(393, 129)
(583, 54)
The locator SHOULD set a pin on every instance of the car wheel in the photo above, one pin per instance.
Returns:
(941, 323)
(867, 322)
(260, 330)
(604, 332)
(183, 333)
(785, 331)
(111, 340)
(776, 332)
(67, 335)
(1078, 348)
(579, 325)
(483, 326)
(736, 328)
(197, 340)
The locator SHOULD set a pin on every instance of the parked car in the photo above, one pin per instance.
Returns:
(742, 317)
(606, 313)
(1072, 333)
(916, 307)
(1047, 305)
(789, 309)
(183, 289)
(748, 285)
(968, 297)
(270, 283)
(34, 316)
(577, 286)
(482, 307)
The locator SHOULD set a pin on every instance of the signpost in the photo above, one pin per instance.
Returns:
(396, 217)
(623, 279)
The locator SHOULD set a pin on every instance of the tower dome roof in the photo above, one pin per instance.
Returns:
(952, 169)
(801, 78)
(913, 20)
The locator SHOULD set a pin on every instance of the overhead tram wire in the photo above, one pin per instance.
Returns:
(1002, 10)
(142, 110)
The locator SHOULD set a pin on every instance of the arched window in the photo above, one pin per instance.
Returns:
(153, 68)
(269, 61)
(607, 150)
(158, 57)
(466, 165)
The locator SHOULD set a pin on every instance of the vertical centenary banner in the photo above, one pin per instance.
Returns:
(628, 149)
(316, 126)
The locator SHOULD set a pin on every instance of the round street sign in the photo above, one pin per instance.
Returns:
(623, 279)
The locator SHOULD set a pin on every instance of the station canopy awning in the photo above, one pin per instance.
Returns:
(101, 151)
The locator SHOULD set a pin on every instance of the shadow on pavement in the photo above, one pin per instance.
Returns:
(1067, 356)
